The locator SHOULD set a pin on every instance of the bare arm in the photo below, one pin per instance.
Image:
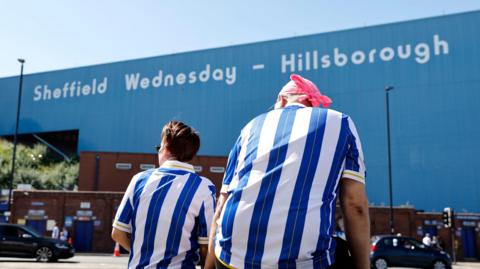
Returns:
(203, 255)
(354, 203)
(210, 261)
(121, 237)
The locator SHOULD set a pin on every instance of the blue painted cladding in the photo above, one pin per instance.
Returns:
(434, 114)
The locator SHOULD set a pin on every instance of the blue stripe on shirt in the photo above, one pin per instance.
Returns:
(178, 219)
(202, 223)
(263, 205)
(301, 193)
(137, 191)
(326, 210)
(234, 198)
(139, 186)
(351, 162)
(213, 192)
(200, 229)
(127, 212)
(151, 223)
(192, 255)
(232, 162)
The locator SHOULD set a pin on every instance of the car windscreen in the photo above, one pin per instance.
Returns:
(416, 243)
(11, 231)
(388, 242)
(30, 231)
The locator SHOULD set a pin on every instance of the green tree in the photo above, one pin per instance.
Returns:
(36, 166)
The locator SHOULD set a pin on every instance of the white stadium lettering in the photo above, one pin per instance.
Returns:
(297, 62)
(135, 80)
(70, 90)
(292, 62)
(422, 53)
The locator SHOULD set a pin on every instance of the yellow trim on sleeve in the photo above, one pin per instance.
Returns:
(203, 240)
(224, 189)
(351, 173)
(121, 226)
(361, 181)
(222, 262)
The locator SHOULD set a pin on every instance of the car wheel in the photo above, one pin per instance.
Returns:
(380, 263)
(44, 254)
(439, 265)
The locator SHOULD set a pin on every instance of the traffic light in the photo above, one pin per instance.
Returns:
(447, 217)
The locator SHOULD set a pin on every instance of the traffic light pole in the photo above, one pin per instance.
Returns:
(452, 235)
(448, 217)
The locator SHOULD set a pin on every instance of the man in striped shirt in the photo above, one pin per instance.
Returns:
(164, 217)
(277, 204)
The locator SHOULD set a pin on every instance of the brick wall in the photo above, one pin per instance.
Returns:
(100, 208)
(98, 170)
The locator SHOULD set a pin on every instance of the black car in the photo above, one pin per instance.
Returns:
(400, 251)
(22, 242)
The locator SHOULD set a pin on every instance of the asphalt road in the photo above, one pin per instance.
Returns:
(109, 262)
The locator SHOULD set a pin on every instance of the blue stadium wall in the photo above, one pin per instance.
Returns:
(121, 107)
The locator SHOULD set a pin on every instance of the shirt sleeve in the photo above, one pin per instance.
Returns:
(123, 218)
(354, 162)
(205, 216)
(230, 171)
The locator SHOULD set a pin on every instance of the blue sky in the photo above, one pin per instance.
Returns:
(53, 35)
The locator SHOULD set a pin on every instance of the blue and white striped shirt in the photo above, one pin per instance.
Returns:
(168, 213)
(282, 180)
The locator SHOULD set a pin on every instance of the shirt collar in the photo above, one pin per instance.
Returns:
(171, 164)
(295, 104)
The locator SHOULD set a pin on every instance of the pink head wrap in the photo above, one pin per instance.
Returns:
(302, 86)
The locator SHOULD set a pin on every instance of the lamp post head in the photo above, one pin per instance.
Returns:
(389, 88)
(21, 60)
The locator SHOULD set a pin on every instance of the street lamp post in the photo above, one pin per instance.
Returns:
(390, 191)
(15, 137)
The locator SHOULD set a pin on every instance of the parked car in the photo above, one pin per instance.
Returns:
(22, 242)
(400, 251)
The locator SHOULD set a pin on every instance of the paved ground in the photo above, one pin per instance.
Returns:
(109, 262)
(77, 262)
